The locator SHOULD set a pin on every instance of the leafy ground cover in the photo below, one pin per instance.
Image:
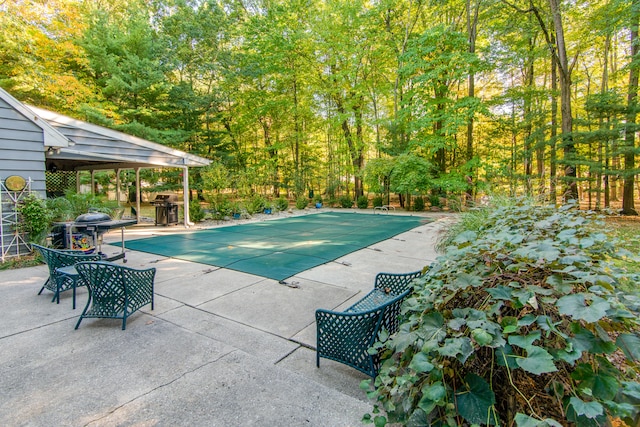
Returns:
(525, 320)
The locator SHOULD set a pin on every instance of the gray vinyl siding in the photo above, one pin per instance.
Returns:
(21, 148)
(22, 154)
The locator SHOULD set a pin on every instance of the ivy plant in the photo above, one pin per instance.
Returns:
(34, 217)
(520, 322)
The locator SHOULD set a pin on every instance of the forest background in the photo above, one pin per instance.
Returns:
(449, 98)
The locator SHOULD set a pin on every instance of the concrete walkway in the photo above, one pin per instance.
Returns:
(221, 348)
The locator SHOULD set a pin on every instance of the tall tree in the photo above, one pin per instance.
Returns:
(628, 207)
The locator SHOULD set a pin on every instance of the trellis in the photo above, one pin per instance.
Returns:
(12, 241)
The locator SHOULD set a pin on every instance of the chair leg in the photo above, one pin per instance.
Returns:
(124, 322)
(79, 320)
(74, 296)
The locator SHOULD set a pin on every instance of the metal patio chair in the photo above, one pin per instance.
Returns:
(55, 259)
(115, 291)
(346, 336)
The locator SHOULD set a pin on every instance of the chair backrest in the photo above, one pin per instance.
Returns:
(55, 258)
(395, 283)
(107, 280)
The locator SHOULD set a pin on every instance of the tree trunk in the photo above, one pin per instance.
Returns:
(628, 207)
(570, 172)
(472, 31)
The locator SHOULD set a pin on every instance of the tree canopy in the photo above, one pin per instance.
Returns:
(454, 98)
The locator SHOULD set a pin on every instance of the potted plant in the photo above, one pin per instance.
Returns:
(317, 199)
(236, 210)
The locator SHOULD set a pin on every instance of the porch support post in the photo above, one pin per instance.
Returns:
(185, 193)
(138, 195)
(118, 186)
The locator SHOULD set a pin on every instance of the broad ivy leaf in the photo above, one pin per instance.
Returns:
(509, 325)
(538, 361)
(418, 419)
(456, 323)
(568, 354)
(575, 306)
(527, 320)
(546, 251)
(402, 341)
(421, 363)
(433, 327)
(465, 280)
(481, 336)
(500, 292)
(601, 385)
(573, 259)
(631, 390)
(380, 421)
(523, 420)
(524, 341)
(630, 345)
(435, 392)
(466, 237)
(584, 340)
(588, 409)
(475, 403)
(460, 348)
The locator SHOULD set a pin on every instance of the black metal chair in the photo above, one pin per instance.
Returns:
(346, 336)
(55, 259)
(115, 291)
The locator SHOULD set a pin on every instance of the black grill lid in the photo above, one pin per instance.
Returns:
(93, 217)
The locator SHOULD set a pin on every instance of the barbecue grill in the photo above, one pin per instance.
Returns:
(166, 209)
(86, 233)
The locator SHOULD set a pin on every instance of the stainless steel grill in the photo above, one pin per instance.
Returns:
(166, 209)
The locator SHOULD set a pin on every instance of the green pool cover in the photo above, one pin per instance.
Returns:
(280, 248)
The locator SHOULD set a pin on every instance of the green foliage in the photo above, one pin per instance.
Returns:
(74, 204)
(281, 203)
(362, 202)
(377, 201)
(345, 201)
(317, 198)
(434, 200)
(256, 204)
(520, 321)
(221, 206)
(196, 213)
(418, 204)
(301, 202)
(35, 218)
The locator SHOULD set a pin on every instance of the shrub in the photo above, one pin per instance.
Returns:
(345, 201)
(196, 213)
(520, 322)
(282, 204)
(362, 202)
(301, 202)
(377, 201)
(434, 200)
(256, 204)
(221, 206)
(35, 218)
(418, 204)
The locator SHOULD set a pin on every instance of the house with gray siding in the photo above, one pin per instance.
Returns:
(35, 143)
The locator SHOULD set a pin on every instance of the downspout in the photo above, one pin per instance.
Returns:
(118, 186)
(185, 193)
(138, 195)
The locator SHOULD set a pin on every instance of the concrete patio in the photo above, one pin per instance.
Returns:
(221, 348)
